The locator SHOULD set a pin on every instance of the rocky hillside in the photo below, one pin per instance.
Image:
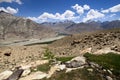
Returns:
(12, 27)
(89, 41)
(71, 58)
(87, 67)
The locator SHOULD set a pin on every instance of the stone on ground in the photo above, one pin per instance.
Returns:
(5, 74)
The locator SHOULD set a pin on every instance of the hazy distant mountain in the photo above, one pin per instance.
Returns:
(70, 27)
(83, 27)
(12, 27)
(111, 24)
(59, 27)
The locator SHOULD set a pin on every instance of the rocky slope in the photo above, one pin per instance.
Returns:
(77, 68)
(64, 57)
(13, 27)
(89, 41)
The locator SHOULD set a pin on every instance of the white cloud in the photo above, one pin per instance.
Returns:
(9, 10)
(86, 7)
(10, 1)
(67, 15)
(112, 15)
(18, 1)
(115, 8)
(93, 14)
(80, 9)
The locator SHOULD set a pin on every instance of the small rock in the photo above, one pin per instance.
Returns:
(7, 54)
(104, 70)
(35, 69)
(94, 65)
(26, 72)
(62, 67)
(10, 66)
(109, 72)
(90, 70)
(24, 61)
(108, 78)
(5, 74)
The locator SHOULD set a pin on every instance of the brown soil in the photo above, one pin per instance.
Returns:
(14, 55)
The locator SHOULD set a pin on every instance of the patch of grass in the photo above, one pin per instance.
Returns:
(48, 54)
(64, 59)
(108, 61)
(44, 67)
(79, 74)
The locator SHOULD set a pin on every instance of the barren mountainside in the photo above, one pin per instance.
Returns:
(12, 27)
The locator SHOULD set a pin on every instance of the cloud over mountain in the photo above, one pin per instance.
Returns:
(9, 10)
(67, 15)
(93, 14)
(78, 14)
(115, 8)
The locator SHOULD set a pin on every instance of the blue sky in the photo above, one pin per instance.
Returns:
(60, 10)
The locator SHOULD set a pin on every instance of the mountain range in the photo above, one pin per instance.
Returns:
(72, 27)
(14, 27)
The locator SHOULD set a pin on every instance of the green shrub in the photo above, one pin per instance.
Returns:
(108, 61)
(48, 54)
(44, 67)
(63, 59)
(79, 74)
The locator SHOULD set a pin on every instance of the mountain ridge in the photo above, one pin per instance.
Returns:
(17, 27)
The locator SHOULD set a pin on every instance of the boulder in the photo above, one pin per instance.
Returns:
(5, 74)
(16, 75)
(76, 62)
(26, 72)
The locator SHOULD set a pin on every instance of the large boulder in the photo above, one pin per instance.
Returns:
(5, 74)
(76, 62)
